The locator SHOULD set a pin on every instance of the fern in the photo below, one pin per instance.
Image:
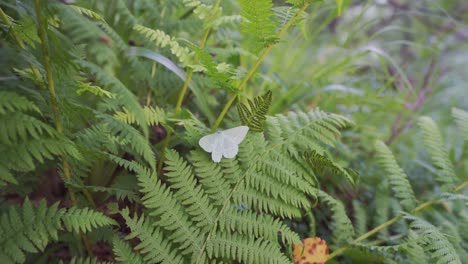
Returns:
(254, 114)
(342, 229)
(433, 241)
(398, 179)
(434, 144)
(461, 117)
(154, 248)
(29, 230)
(257, 27)
(124, 253)
(161, 40)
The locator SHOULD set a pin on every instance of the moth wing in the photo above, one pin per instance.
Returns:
(236, 134)
(217, 153)
(230, 148)
(209, 142)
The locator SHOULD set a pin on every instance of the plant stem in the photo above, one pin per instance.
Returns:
(184, 89)
(392, 221)
(13, 32)
(257, 64)
(54, 106)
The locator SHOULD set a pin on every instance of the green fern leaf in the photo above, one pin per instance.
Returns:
(84, 220)
(124, 253)
(398, 179)
(29, 230)
(257, 26)
(342, 229)
(461, 117)
(182, 180)
(245, 250)
(440, 159)
(153, 246)
(253, 115)
(433, 241)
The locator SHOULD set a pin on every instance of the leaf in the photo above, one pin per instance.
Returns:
(254, 113)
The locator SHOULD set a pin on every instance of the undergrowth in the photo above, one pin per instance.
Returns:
(102, 107)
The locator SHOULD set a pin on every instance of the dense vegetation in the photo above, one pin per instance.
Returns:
(357, 116)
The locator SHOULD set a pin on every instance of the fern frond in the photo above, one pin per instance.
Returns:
(162, 204)
(342, 228)
(19, 127)
(84, 220)
(210, 175)
(161, 40)
(182, 180)
(123, 252)
(153, 246)
(433, 241)
(131, 137)
(434, 144)
(253, 115)
(12, 102)
(153, 116)
(262, 203)
(398, 178)
(24, 156)
(299, 132)
(414, 252)
(211, 69)
(245, 250)
(124, 96)
(87, 260)
(257, 26)
(382, 209)
(360, 217)
(321, 163)
(256, 225)
(87, 12)
(29, 230)
(461, 118)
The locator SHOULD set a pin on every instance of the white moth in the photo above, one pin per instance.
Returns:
(224, 142)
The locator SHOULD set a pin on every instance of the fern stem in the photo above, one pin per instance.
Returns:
(184, 89)
(53, 103)
(13, 32)
(392, 221)
(257, 64)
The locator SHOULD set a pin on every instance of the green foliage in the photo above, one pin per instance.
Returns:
(257, 26)
(433, 140)
(30, 229)
(433, 241)
(398, 179)
(254, 114)
(93, 124)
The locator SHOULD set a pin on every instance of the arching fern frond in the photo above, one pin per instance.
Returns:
(398, 178)
(342, 228)
(254, 113)
(435, 147)
(321, 164)
(433, 241)
(161, 40)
